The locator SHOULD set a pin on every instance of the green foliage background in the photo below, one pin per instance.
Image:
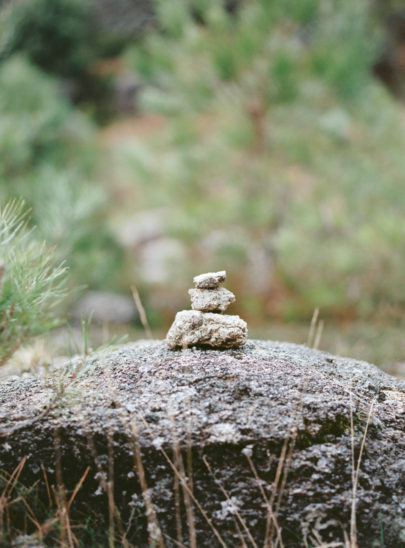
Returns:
(277, 136)
(277, 154)
(49, 156)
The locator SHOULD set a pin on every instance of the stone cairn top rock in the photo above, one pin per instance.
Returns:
(205, 325)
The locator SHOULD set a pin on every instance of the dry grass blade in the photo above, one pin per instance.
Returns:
(66, 534)
(356, 469)
(11, 483)
(105, 487)
(318, 335)
(110, 492)
(153, 524)
(286, 469)
(189, 453)
(187, 499)
(312, 327)
(177, 502)
(141, 311)
(283, 467)
(276, 482)
(186, 487)
(48, 491)
(270, 514)
(228, 498)
(353, 509)
(78, 487)
(243, 542)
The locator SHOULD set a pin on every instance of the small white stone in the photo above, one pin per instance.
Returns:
(211, 300)
(210, 280)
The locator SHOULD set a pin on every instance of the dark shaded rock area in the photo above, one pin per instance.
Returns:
(268, 422)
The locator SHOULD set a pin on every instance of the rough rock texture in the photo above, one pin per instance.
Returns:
(194, 328)
(200, 327)
(210, 280)
(211, 300)
(237, 411)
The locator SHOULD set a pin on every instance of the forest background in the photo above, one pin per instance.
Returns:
(154, 140)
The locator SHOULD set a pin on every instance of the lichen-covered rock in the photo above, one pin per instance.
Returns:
(210, 280)
(202, 326)
(211, 300)
(268, 422)
(194, 328)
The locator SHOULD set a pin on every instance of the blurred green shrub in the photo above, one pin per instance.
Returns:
(56, 35)
(37, 124)
(62, 39)
(280, 158)
(32, 282)
(49, 155)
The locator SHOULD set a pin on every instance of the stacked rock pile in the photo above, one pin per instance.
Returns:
(205, 325)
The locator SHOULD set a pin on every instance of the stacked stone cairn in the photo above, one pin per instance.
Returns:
(205, 326)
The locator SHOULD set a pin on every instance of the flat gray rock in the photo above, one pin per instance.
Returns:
(271, 420)
(194, 328)
(211, 300)
(210, 280)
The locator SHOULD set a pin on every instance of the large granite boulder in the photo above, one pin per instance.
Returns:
(253, 443)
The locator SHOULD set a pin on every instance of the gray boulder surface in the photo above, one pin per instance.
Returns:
(211, 300)
(194, 328)
(263, 432)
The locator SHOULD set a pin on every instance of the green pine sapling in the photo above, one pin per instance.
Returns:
(32, 282)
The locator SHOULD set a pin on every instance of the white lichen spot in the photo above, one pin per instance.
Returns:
(224, 432)
(158, 442)
(228, 508)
